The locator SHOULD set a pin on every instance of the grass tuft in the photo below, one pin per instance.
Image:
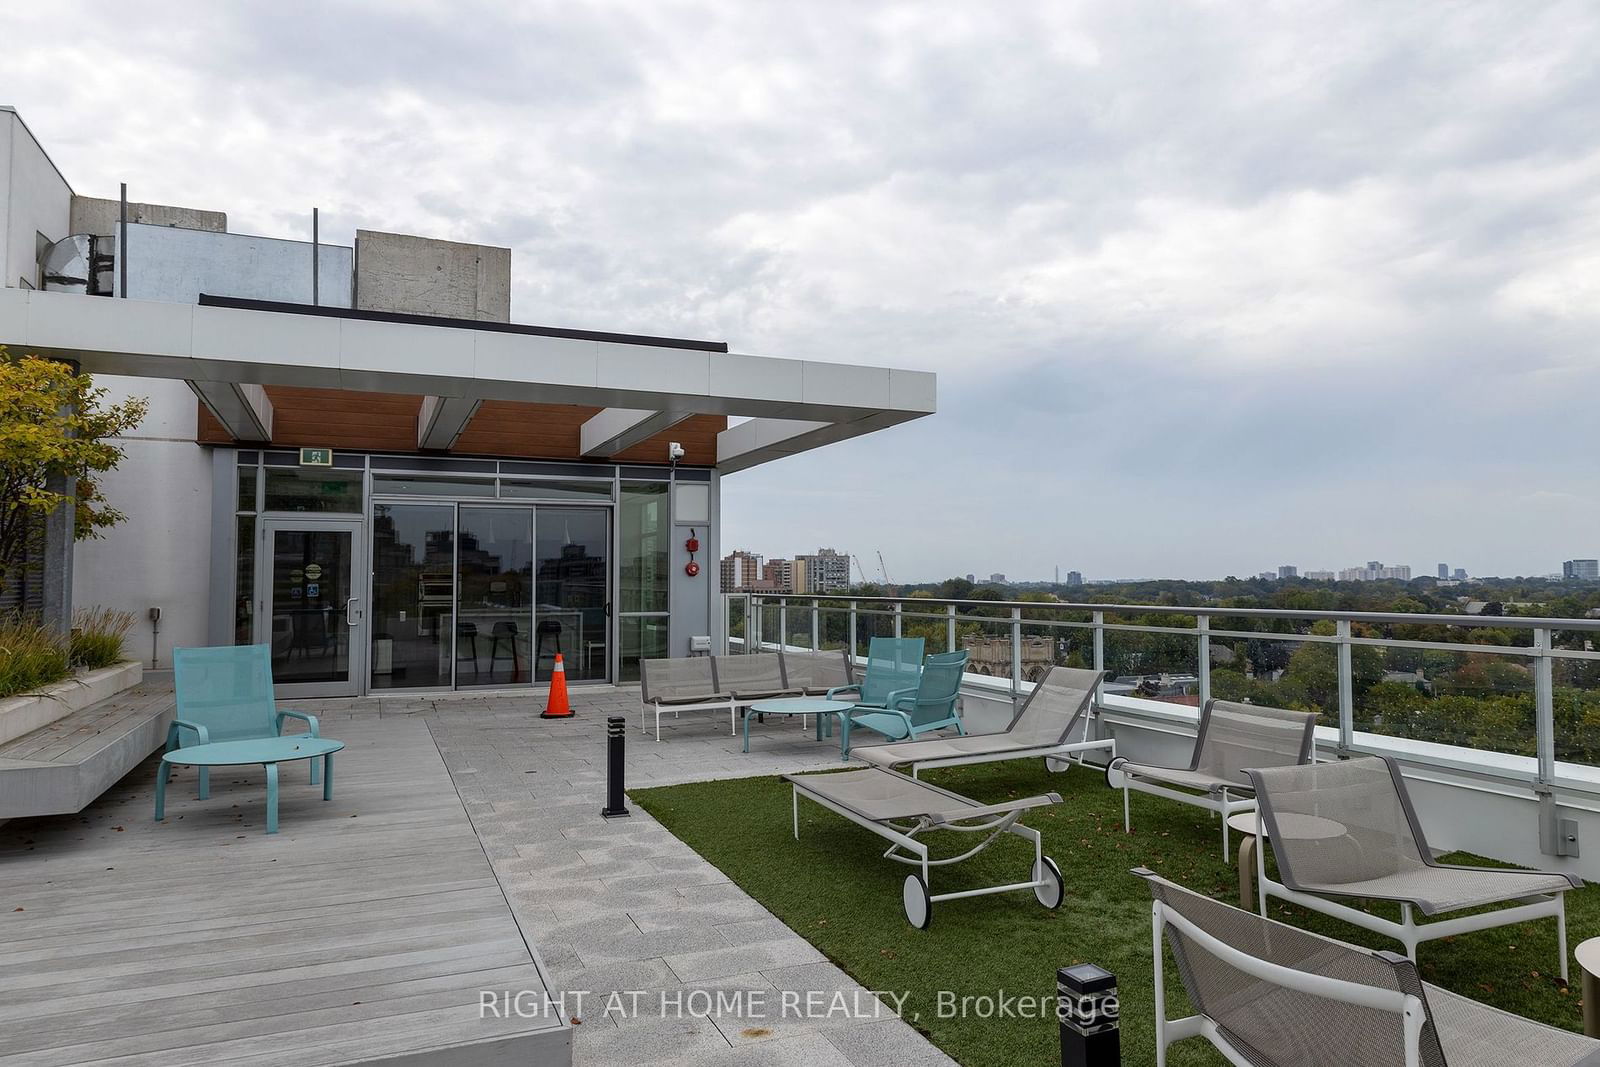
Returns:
(97, 637)
(30, 657)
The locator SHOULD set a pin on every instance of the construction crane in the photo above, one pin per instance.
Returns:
(887, 584)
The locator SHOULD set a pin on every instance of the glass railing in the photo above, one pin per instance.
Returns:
(1510, 685)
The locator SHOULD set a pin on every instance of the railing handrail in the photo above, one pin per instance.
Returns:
(1542, 651)
(1522, 622)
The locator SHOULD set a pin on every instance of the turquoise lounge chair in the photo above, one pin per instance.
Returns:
(225, 694)
(930, 706)
(894, 665)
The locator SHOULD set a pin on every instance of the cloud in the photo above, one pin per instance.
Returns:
(1209, 287)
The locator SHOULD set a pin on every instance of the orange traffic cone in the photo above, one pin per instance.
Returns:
(558, 708)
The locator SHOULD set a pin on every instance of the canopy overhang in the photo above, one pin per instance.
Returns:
(793, 405)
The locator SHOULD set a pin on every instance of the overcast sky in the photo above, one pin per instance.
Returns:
(1209, 287)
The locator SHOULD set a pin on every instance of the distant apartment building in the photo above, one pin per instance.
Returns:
(1287, 571)
(741, 571)
(777, 576)
(1267, 576)
(825, 571)
(1460, 574)
(1444, 571)
(1581, 569)
(1320, 576)
(1074, 577)
(997, 577)
(1375, 571)
(971, 577)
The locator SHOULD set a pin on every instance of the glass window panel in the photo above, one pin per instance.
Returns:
(316, 489)
(642, 638)
(413, 594)
(494, 577)
(244, 583)
(556, 490)
(645, 550)
(403, 486)
(247, 488)
(571, 613)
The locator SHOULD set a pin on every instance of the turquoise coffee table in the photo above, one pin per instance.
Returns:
(267, 751)
(818, 706)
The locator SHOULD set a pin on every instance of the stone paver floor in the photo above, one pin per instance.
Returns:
(621, 906)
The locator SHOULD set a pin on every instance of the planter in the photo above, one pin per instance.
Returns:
(23, 714)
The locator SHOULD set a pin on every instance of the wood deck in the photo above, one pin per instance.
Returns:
(362, 932)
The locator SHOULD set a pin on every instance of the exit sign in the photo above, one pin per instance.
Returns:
(316, 457)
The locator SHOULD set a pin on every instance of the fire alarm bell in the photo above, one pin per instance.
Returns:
(691, 568)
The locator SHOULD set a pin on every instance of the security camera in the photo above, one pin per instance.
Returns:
(674, 452)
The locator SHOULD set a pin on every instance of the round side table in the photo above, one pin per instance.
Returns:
(1305, 827)
(1588, 955)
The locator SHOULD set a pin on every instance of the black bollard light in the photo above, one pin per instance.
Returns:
(1089, 1013)
(616, 737)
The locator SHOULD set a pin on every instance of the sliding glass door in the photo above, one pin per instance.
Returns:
(413, 595)
(494, 590)
(472, 595)
(572, 610)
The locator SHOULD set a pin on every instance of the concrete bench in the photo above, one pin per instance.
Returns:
(62, 767)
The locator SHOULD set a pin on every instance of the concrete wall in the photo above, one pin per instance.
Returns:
(99, 216)
(167, 263)
(422, 276)
(34, 199)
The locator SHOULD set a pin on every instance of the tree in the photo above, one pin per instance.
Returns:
(54, 426)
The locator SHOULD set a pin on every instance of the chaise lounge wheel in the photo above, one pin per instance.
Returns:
(919, 908)
(1114, 776)
(1054, 887)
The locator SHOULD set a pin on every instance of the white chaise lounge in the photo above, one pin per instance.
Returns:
(901, 809)
(1348, 830)
(1231, 738)
(1270, 995)
(1056, 723)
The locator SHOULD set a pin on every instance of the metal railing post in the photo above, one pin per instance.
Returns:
(1098, 619)
(1347, 688)
(899, 619)
(816, 630)
(758, 611)
(1203, 625)
(1558, 836)
(853, 645)
(783, 622)
(1016, 654)
(950, 628)
(1544, 706)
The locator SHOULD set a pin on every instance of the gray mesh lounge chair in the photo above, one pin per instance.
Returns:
(899, 809)
(1266, 995)
(676, 685)
(814, 673)
(1231, 738)
(1349, 830)
(1059, 708)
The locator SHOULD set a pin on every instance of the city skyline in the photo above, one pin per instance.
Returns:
(1059, 574)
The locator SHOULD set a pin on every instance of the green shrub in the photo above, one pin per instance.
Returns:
(97, 635)
(30, 657)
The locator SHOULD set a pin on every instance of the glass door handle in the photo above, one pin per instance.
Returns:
(352, 613)
(608, 609)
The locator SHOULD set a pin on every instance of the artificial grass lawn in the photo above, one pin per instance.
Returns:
(834, 888)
